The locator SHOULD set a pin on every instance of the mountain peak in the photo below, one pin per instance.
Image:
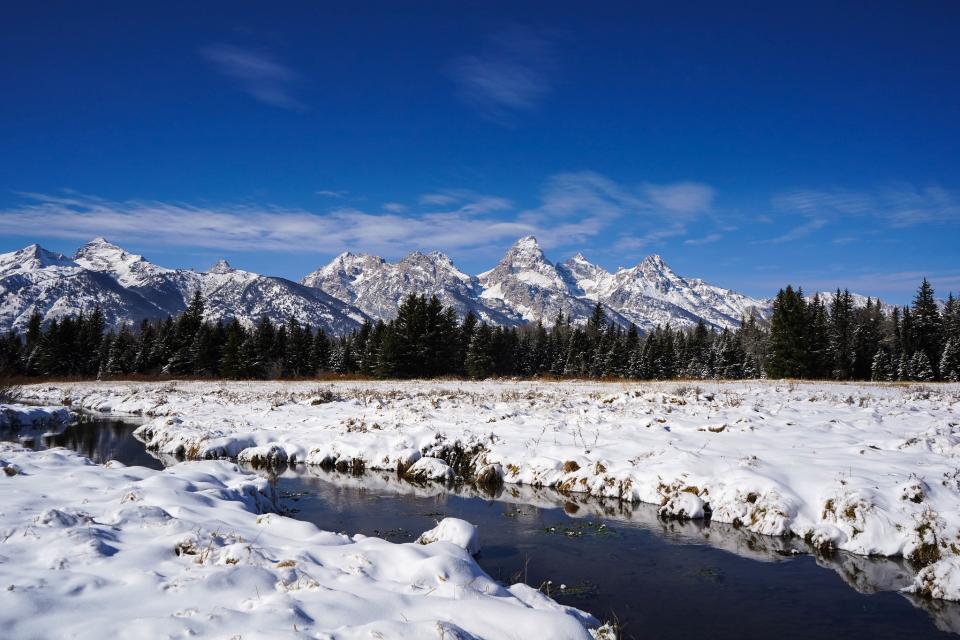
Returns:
(524, 252)
(44, 258)
(222, 266)
(99, 245)
(526, 242)
(654, 260)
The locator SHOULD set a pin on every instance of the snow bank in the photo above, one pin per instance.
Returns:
(94, 551)
(455, 531)
(869, 469)
(940, 580)
(21, 416)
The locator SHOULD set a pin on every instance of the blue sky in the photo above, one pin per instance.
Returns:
(748, 144)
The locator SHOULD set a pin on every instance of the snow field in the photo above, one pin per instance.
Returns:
(869, 469)
(91, 551)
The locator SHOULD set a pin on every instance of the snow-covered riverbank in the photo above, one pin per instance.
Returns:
(26, 417)
(89, 551)
(874, 470)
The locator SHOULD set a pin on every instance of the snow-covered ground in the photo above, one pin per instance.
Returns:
(869, 469)
(90, 551)
(24, 417)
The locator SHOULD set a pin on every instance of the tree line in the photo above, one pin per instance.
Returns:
(803, 339)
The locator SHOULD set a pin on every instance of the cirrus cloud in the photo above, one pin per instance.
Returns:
(257, 73)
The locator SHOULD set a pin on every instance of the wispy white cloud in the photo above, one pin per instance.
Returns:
(573, 208)
(682, 198)
(438, 199)
(465, 201)
(254, 228)
(898, 205)
(580, 205)
(633, 242)
(257, 73)
(797, 232)
(513, 73)
(707, 239)
(331, 193)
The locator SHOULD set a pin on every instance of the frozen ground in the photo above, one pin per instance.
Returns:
(89, 551)
(21, 417)
(873, 470)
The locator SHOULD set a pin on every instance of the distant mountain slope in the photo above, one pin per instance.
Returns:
(168, 289)
(377, 287)
(533, 287)
(651, 293)
(232, 293)
(34, 279)
(523, 287)
(128, 289)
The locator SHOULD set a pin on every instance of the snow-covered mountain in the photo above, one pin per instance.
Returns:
(168, 289)
(535, 288)
(232, 293)
(859, 301)
(524, 286)
(377, 287)
(56, 286)
(651, 293)
(129, 288)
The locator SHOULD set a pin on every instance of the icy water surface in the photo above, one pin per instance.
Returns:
(659, 578)
(100, 439)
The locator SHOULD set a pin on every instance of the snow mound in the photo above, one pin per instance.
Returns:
(427, 468)
(940, 580)
(198, 550)
(21, 416)
(455, 531)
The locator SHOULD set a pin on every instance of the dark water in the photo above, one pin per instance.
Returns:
(659, 579)
(100, 439)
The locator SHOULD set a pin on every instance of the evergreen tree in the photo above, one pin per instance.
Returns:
(920, 367)
(881, 369)
(231, 365)
(788, 329)
(842, 335)
(950, 360)
(479, 361)
(927, 323)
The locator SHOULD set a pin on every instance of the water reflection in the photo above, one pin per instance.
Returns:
(661, 578)
(100, 439)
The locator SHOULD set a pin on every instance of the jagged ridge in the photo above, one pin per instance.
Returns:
(524, 286)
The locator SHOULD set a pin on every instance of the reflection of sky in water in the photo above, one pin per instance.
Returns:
(660, 578)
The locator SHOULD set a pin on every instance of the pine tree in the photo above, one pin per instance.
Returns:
(905, 368)
(927, 323)
(231, 366)
(950, 360)
(788, 329)
(819, 361)
(920, 367)
(479, 360)
(320, 352)
(881, 369)
(841, 335)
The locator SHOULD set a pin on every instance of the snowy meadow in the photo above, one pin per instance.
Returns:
(872, 470)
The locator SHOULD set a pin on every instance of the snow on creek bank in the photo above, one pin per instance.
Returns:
(870, 469)
(23, 417)
(91, 551)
